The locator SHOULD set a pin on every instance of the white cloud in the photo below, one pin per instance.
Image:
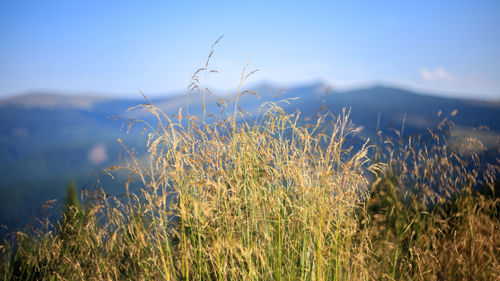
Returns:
(98, 154)
(437, 74)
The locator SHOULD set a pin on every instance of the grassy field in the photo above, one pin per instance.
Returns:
(263, 198)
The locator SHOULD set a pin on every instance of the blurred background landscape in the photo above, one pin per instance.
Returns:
(67, 67)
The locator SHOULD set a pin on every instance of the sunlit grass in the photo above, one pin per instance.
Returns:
(264, 198)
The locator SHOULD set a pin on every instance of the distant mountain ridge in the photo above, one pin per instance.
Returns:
(265, 91)
(370, 107)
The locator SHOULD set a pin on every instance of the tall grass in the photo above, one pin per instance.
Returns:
(264, 198)
(434, 212)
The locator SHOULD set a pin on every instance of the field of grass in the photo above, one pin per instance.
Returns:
(264, 198)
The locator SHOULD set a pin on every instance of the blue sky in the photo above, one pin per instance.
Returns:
(120, 47)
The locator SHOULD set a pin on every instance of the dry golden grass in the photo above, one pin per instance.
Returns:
(267, 199)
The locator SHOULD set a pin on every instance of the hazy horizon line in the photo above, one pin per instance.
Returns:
(261, 83)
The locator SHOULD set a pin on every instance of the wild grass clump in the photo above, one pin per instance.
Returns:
(226, 200)
(433, 214)
(264, 198)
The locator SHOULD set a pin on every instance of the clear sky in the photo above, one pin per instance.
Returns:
(119, 47)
